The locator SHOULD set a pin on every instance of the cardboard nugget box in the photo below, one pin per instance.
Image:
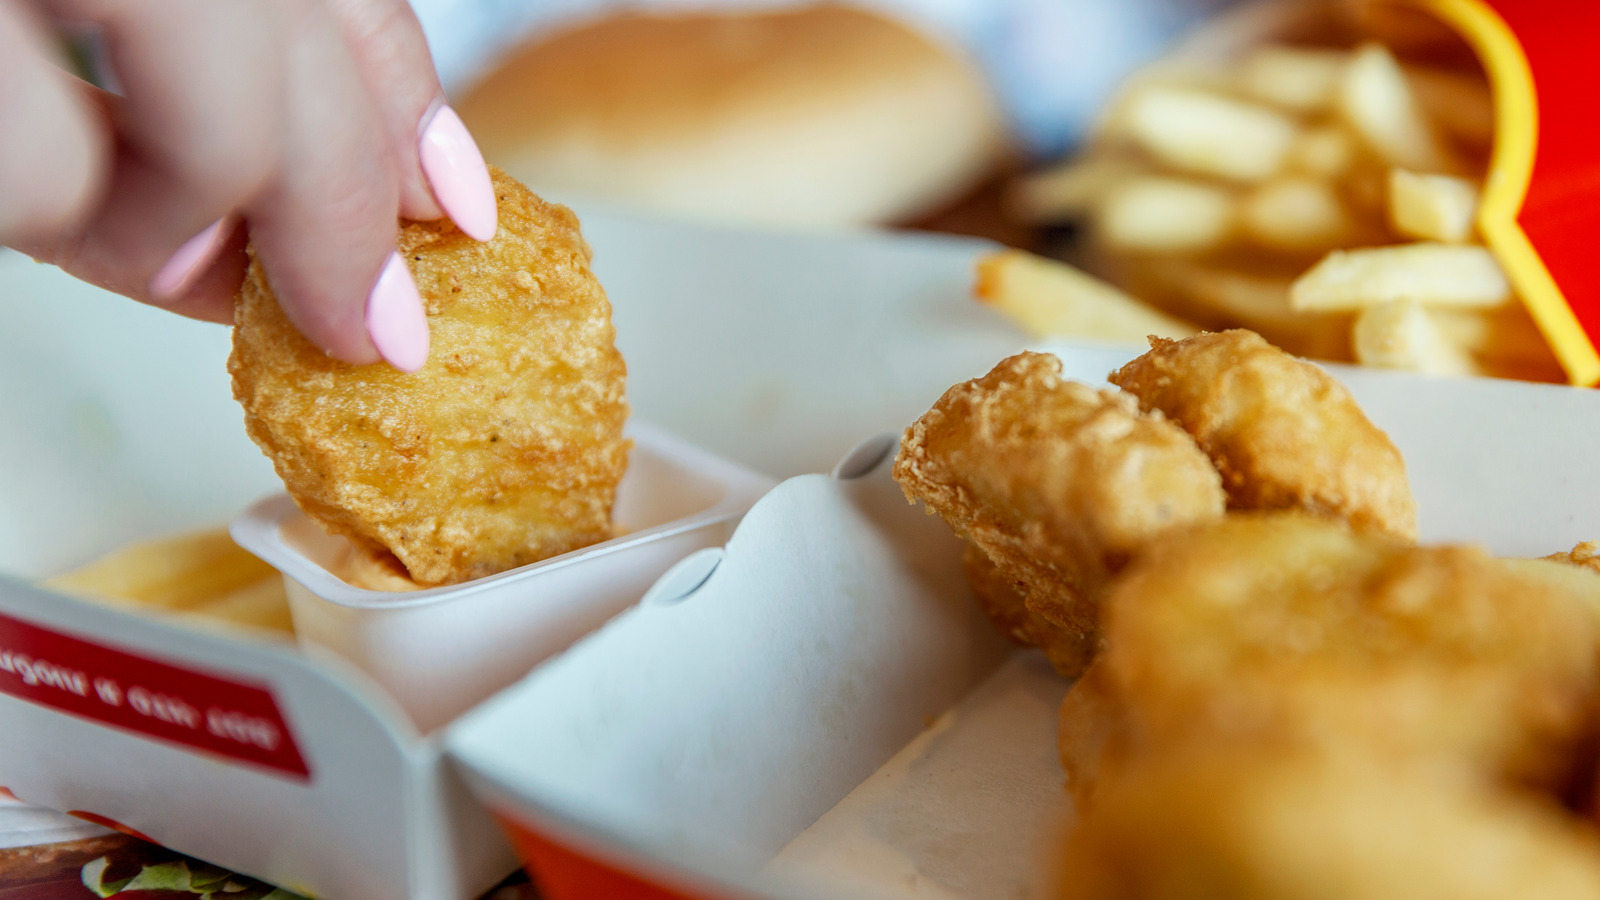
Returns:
(759, 726)
(289, 764)
(312, 765)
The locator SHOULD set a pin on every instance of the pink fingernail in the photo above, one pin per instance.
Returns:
(179, 272)
(455, 170)
(395, 318)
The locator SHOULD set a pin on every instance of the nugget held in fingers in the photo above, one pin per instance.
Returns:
(505, 448)
(1057, 482)
(1283, 433)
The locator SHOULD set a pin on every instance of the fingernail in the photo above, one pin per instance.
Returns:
(395, 318)
(457, 174)
(179, 272)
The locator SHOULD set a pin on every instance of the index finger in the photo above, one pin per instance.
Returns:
(440, 167)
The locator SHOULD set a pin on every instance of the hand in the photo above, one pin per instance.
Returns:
(316, 123)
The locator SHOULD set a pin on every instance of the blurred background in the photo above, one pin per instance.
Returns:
(891, 112)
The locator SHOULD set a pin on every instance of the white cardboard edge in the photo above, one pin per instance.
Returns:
(687, 683)
(258, 530)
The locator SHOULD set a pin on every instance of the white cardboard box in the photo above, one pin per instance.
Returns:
(776, 349)
(766, 734)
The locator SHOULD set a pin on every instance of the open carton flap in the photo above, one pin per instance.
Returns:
(343, 807)
(708, 729)
(760, 736)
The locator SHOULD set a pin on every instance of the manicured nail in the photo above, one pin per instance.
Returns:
(395, 318)
(179, 272)
(455, 170)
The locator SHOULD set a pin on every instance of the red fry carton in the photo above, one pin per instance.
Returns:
(1539, 210)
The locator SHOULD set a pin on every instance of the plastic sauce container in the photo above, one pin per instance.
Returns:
(440, 651)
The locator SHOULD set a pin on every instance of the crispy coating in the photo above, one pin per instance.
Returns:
(1585, 555)
(1003, 602)
(1293, 627)
(1283, 433)
(504, 449)
(1091, 732)
(1057, 482)
(1218, 822)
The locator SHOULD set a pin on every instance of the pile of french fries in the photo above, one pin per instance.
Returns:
(201, 575)
(1324, 196)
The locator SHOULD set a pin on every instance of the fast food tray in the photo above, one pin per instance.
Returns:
(777, 350)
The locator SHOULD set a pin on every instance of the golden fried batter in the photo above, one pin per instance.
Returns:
(1229, 822)
(504, 449)
(1293, 627)
(1002, 601)
(1057, 482)
(1585, 555)
(1283, 433)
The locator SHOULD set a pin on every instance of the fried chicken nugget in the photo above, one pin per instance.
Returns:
(1057, 482)
(1283, 433)
(1258, 823)
(1584, 555)
(1295, 627)
(504, 449)
(1003, 602)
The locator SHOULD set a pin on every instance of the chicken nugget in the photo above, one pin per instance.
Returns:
(1092, 731)
(1584, 555)
(1258, 823)
(1295, 627)
(1283, 433)
(1003, 602)
(505, 448)
(1058, 483)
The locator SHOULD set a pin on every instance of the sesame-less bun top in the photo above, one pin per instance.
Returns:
(819, 115)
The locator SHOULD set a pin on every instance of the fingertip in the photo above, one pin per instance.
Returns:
(458, 175)
(395, 318)
(188, 262)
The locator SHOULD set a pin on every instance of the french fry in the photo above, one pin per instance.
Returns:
(1261, 303)
(1052, 299)
(1209, 134)
(262, 604)
(1300, 79)
(1158, 213)
(1323, 151)
(1409, 29)
(1459, 103)
(175, 573)
(1402, 335)
(1211, 185)
(1296, 214)
(1432, 207)
(203, 574)
(1068, 191)
(1376, 100)
(1440, 274)
(1505, 341)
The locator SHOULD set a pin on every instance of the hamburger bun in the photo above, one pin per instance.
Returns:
(821, 115)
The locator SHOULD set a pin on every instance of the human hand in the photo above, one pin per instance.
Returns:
(316, 123)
